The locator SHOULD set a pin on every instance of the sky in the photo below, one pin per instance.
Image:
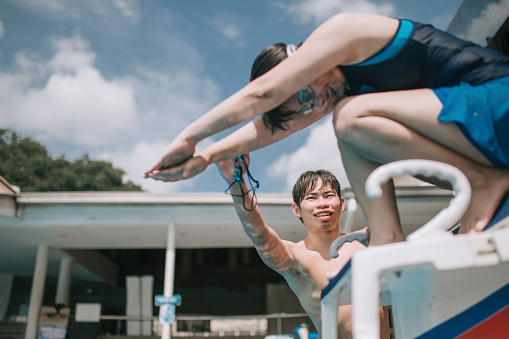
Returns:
(119, 79)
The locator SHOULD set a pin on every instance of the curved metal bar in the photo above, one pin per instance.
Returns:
(336, 244)
(427, 168)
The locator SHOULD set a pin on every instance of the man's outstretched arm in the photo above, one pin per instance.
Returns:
(273, 250)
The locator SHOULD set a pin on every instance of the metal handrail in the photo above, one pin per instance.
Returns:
(207, 317)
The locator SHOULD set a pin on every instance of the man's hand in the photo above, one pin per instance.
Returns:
(227, 167)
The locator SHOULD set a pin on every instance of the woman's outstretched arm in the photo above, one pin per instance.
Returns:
(252, 136)
(343, 39)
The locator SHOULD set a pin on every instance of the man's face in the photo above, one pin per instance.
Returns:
(320, 207)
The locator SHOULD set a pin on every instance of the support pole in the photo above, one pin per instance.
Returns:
(169, 273)
(64, 282)
(36, 294)
(351, 213)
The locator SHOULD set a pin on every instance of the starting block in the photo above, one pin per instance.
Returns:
(439, 285)
(167, 307)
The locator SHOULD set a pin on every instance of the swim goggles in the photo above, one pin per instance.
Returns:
(306, 97)
(238, 177)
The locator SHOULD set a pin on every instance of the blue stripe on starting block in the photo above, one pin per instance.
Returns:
(471, 317)
(336, 279)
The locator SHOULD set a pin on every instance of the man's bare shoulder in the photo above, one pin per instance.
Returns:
(363, 230)
(303, 256)
(349, 247)
(297, 249)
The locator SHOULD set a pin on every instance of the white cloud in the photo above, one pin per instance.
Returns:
(129, 8)
(225, 25)
(136, 161)
(487, 23)
(229, 30)
(71, 55)
(319, 152)
(66, 99)
(317, 11)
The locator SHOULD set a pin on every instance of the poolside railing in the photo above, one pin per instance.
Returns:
(211, 326)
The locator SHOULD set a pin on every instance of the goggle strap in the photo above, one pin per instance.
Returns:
(237, 176)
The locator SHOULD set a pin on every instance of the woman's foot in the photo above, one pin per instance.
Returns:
(487, 193)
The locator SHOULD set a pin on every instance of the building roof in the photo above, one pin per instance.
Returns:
(6, 188)
(85, 221)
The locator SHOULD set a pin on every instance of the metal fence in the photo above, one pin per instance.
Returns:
(208, 326)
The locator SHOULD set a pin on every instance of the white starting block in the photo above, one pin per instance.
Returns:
(440, 285)
(167, 307)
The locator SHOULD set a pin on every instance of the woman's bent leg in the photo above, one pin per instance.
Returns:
(381, 214)
(385, 127)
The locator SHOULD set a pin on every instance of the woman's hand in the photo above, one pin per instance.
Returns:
(176, 154)
(186, 170)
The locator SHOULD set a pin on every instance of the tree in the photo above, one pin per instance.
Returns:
(27, 164)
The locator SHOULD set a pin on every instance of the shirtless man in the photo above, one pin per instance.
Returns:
(306, 264)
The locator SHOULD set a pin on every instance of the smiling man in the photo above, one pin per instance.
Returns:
(306, 264)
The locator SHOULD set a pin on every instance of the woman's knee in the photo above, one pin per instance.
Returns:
(347, 118)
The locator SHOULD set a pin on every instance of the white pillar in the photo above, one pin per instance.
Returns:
(147, 303)
(64, 282)
(169, 273)
(38, 281)
(132, 288)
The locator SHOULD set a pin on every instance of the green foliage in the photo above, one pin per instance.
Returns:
(27, 164)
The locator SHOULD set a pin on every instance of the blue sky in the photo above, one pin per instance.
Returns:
(120, 79)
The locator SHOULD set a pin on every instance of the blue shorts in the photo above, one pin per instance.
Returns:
(482, 114)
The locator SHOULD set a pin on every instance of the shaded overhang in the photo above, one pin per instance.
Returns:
(77, 224)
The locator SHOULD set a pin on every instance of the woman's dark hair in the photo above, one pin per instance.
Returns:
(307, 182)
(264, 62)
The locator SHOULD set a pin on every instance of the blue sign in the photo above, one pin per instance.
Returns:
(175, 300)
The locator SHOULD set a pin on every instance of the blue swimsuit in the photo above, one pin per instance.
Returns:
(472, 82)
